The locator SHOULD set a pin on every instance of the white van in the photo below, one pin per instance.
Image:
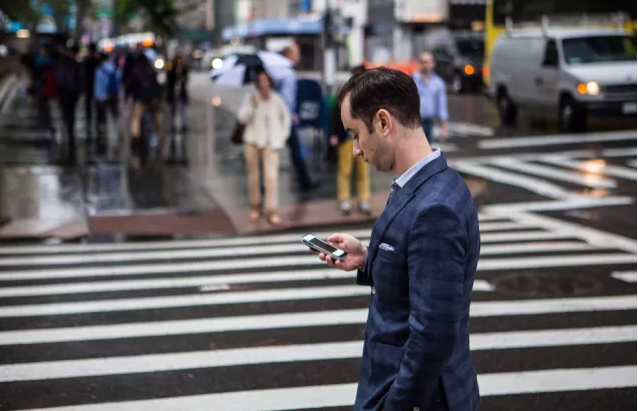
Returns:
(572, 73)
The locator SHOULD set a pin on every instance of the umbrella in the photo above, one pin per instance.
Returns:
(240, 69)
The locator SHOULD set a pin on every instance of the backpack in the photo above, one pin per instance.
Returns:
(147, 87)
(67, 75)
(112, 87)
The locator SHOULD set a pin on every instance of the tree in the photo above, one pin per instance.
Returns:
(160, 15)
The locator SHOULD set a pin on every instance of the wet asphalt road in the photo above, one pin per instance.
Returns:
(221, 324)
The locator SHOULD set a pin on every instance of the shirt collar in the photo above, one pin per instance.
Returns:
(405, 177)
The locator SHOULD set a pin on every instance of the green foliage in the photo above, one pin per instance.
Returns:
(161, 15)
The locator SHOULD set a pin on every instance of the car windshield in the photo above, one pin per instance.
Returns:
(600, 49)
(471, 48)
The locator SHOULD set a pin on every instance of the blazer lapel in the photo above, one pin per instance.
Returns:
(404, 196)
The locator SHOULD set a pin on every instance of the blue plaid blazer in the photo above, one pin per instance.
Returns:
(422, 257)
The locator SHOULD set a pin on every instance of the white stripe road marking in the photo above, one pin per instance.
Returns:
(627, 276)
(213, 254)
(469, 129)
(343, 395)
(620, 152)
(236, 264)
(553, 173)
(169, 245)
(559, 139)
(208, 283)
(291, 353)
(301, 319)
(535, 185)
(166, 245)
(609, 169)
(573, 204)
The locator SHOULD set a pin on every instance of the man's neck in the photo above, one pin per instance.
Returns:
(412, 147)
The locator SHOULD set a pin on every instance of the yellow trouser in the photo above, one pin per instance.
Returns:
(345, 173)
(270, 165)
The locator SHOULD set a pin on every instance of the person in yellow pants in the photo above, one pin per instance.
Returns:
(340, 139)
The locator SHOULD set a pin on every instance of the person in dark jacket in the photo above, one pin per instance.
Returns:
(68, 79)
(177, 90)
(339, 138)
(89, 64)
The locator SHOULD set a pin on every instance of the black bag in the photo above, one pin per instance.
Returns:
(238, 134)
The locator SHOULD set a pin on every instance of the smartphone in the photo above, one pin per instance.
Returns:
(323, 247)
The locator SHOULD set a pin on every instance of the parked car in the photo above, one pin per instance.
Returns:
(459, 60)
(569, 73)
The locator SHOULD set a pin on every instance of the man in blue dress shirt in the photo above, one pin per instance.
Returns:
(432, 94)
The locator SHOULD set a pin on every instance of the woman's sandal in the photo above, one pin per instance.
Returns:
(255, 214)
(274, 219)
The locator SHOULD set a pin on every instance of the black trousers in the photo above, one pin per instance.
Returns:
(68, 103)
(297, 160)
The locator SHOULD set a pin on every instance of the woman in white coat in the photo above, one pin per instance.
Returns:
(267, 122)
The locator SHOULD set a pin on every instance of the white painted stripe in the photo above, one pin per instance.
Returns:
(559, 139)
(532, 184)
(291, 353)
(555, 261)
(343, 395)
(609, 169)
(237, 264)
(132, 256)
(553, 173)
(470, 129)
(627, 276)
(593, 236)
(620, 152)
(167, 245)
(235, 297)
(213, 254)
(211, 283)
(554, 205)
(302, 319)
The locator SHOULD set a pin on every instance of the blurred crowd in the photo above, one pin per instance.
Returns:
(106, 84)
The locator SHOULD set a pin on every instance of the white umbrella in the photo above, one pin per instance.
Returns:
(238, 69)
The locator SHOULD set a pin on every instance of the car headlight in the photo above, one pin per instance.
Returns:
(159, 64)
(217, 63)
(590, 88)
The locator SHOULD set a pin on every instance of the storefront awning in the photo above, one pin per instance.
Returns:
(264, 27)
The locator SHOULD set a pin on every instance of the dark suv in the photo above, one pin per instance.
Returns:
(459, 61)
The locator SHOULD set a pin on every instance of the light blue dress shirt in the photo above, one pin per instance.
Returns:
(433, 97)
(405, 177)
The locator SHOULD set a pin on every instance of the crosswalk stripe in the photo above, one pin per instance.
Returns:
(627, 276)
(302, 319)
(298, 261)
(536, 141)
(553, 173)
(535, 185)
(179, 244)
(609, 169)
(342, 395)
(288, 249)
(620, 152)
(204, 282)
(290, 353)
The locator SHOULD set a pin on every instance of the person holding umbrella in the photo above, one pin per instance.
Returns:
(267, 122)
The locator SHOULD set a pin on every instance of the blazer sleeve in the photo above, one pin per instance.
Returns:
(437, 251)
(246, 109)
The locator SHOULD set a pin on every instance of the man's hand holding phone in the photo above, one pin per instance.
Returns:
(356, 256)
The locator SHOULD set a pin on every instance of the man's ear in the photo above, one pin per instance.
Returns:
(385, 121)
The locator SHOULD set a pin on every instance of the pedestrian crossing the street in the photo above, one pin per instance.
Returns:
(258, 323)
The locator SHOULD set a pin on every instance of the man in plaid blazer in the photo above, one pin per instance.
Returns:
(421, 259)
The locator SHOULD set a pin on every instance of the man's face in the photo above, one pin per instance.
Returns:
(427, 63)
(373, 147)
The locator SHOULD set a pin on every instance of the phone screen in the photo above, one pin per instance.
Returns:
(323, 245)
